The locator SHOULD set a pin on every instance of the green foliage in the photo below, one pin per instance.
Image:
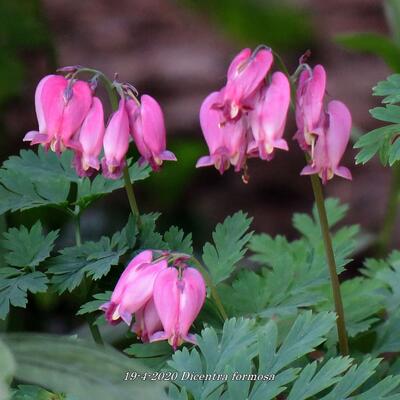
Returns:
(24, 250)
(383, 140)
(14, 287)
(31, 392)
(78, 368)
(153, 355)
(230, 239)
(362, 301)
(374, 43)
(91, 190)
(93, 305)
(387, 272)
(176, 240)
(7, 370)
(258, 351)
(294, 274)
(389, 88)
(91, 259)
(43, 179)
(27, 248)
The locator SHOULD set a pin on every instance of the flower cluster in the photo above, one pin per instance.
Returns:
(246, 118)
(164, 299)
(70, 116)
(323, 134)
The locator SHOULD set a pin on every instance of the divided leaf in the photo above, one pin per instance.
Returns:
(43, 179)
(91, 190)
(93, 305)
(176, 240)
(383, 140)
(91, 259)
(14, 287)
(230, 239)
(27, 248)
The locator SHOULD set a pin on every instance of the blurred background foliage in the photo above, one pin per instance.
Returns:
(279, 24)
(23, 31)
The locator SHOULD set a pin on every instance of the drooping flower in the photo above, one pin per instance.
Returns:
(309, 104)
(90, 140)
(268, 118)
(147, 321)
(178, 300)
(226, 141)
(148, 131)
(116, 143)
(245, 75)
(331, 144)
(61, 106)
(134, 288)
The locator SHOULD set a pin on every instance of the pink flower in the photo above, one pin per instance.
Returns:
(61, 106)
(148, 131)
(309, 102)
(116, 143)
(268, 119)
(178, 300)
(134, 288)
(245, 75)
(147, 321)
(90, 140)
(331, 144)
(226, 141)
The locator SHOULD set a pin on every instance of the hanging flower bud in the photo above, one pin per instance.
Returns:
(61, 106)
(245, 75)
(148, 131)
(226, 141)
(309, 103)
(331, 144)
(147, 321)
(268, 119)
(134, 288)
(116, 143)
(90, 140)
(178, 300)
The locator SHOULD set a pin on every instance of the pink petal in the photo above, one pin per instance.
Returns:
(166, 299)
(75, 110)
(92, 131)
(130, 273)
(140, 289)
(338, 133)
(343, 172)
(116, 142)
(248, 76)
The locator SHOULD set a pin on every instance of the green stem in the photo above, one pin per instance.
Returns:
(340, 321)
(389, 221)
(131, 197)
(78, 239)
(210, 284)
(94, 330)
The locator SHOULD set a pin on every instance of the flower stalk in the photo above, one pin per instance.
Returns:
(389, 221)
(94, 330)
(330, 257)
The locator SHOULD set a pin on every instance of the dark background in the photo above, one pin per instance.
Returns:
(178, 52)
